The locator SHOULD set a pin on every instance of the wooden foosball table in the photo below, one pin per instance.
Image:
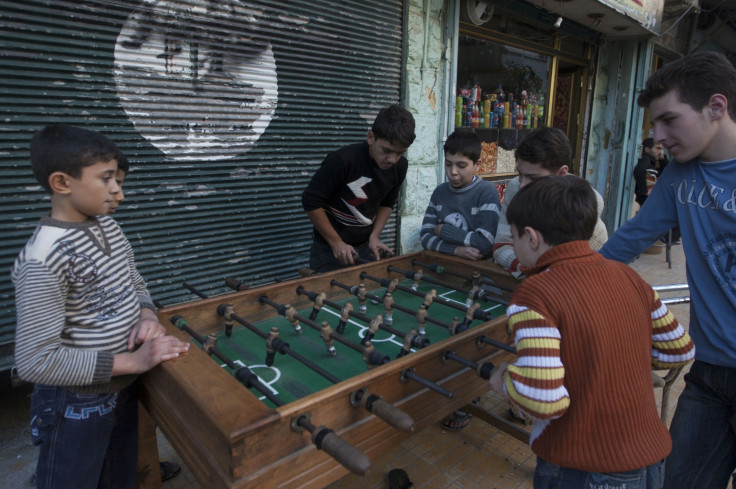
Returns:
(301, 381)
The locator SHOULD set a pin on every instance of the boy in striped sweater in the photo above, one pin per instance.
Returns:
(86, 325)
(588, 332)
(462, 215)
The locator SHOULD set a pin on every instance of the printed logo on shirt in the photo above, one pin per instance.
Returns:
(357, 188)
(82, 268)
(457, 220)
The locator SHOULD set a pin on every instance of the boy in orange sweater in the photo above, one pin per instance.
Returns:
(585, 357)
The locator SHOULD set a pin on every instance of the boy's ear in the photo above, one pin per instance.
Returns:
(535, 237)
(718, 106)
(59, 182)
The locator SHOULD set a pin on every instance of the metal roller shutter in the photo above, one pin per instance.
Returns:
(224, 109)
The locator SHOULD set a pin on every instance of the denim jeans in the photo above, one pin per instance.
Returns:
(86, 441)
(550, 476)
(704, 430)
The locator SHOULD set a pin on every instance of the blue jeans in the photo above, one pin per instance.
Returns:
(86, 441)
(704, 430)
(550, 476)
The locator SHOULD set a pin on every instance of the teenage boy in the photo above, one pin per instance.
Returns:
(350, 198)
(588, 332)
(692, 105)
(544, 151)
(462, 215)
(86, 325)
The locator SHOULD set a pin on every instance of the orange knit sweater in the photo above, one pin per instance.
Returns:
(588, 331)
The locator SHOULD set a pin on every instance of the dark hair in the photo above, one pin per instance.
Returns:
(464, 142)
(68, 149)
(123, 164)
(546, 146)
(394, 124)
(648, 143)
(561, 207)
(696, 77)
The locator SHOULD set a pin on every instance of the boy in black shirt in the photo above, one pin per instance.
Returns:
(350, 198)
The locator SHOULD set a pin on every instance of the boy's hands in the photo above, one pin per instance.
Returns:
(145, 329)
(148, 355)
(378, 248)
(468, 252)
(343, 253)
(496, 380)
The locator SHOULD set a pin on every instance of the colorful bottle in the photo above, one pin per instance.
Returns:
(500, 95)
(540, 109)
(459, 112)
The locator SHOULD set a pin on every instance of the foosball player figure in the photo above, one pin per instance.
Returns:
(351, 196)
(462, 216)
(588, 333)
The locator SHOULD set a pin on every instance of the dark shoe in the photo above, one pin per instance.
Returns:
(399, 479)
(169, 470)
(456, 421)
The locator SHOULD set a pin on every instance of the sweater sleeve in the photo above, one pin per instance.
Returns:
(325, 183)
(671, 345)
(40, 355)
(535, 382)
(503, 248)
(427, 238)
(657, 216)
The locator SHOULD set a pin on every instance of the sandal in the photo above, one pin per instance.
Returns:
(456, 421)
(169, 470)
(399, 479)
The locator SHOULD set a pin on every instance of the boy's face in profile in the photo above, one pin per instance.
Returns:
(685, 132)
(94, 193)
(119, 197)
(459, 169)
(529, 171)
(383, 152)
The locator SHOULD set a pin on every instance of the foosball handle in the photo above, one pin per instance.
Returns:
(383, 410)
(327, 440)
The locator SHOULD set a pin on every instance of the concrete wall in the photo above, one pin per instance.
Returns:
(427, 72)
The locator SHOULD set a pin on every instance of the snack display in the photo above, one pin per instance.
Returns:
(487, 161)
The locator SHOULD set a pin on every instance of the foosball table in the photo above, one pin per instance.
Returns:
(295, 383)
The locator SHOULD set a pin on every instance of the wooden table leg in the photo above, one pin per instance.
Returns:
(149, 473)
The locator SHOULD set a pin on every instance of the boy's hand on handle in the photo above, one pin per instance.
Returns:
(496, 380)
(379, 249)
(343, 253)
(468, 252)
(148, 355)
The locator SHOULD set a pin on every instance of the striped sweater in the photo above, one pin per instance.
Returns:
(77, 295)
(472, 213)
(588, 332)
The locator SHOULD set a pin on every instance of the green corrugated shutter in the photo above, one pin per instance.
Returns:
(224, 108)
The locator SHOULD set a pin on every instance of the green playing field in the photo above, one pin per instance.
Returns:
(290, 379)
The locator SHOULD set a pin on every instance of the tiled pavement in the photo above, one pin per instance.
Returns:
(479, 456)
